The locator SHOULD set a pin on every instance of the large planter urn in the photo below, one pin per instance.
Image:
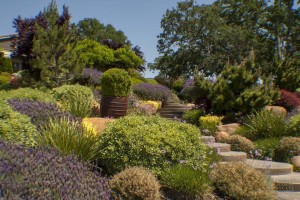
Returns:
(296, 161)
(113, 107)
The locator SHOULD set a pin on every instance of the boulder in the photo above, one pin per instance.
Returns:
(99, 124)
(277, 110)
(229, 128)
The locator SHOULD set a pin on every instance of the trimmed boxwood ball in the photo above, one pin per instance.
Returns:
(152, 142)
(115, 82)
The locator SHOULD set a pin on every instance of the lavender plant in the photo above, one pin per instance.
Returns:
(92, 76)
(152, 92)
(27, 173)
(39, 112)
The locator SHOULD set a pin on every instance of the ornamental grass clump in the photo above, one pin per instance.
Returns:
(76, 99)
(148, 91)
(39, 112)
(28, 173)
(240, 181)
(70, 138)
(135, 183)
(183, 182)
(263, 124)
(152, 142)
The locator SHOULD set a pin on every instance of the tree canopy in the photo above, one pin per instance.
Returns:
(204, 38)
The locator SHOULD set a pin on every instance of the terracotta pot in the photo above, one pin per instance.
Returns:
(296, 161)
(113, 106)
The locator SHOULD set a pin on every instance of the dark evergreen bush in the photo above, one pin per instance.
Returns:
(6, 65)
(43, 174)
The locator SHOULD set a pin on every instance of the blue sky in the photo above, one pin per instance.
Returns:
(138, 19)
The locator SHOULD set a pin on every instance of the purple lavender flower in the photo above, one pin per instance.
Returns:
(93, 76)
(152, 92)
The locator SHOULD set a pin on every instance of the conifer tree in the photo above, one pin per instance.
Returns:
(53, 47)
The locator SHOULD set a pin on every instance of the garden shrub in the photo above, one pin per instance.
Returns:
(43, 174)
(160, 79)
(293, 126)
(151, 81)
(6, 65)
(14, 126)
(184, 182)
(288, 100)
(147, 91)
(70, 138)
(75, 99)
(287, 148)
(263, 124)
(115, 82)
(236, 90)
(193, 116)
(135, 183)
(240, 181)
(178, 85)
(152, 142)
(238, 143)
(39, 112)
(4, 78)
(209, 124)
(267, 147)
(135, 81)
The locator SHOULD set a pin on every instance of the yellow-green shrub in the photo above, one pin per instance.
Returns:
(76, 99)
(288, 147)
(135, 183)
(209, 124)
(240, 181)
(135, 81)
(152, 142)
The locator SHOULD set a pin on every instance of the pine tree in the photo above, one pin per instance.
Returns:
(53, 47)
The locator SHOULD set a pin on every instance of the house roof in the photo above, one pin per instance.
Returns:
(5, 42)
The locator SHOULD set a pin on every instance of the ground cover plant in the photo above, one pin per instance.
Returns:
(192, 116)
(40, 112)
(152, 142)
(27, 173)
(14, 126)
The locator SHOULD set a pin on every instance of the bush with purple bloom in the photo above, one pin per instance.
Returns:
(92, 76)
(152, 92)
(28, 173)
(39, 112)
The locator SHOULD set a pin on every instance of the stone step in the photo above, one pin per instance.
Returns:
(233, 156)
(220, 147)
(289, 182)
(288, 195)
(271, 168)
(171, 112)
(170, 116)
(208, 139)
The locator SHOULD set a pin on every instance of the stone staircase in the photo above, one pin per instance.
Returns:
(286, 181)
(172, 110)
